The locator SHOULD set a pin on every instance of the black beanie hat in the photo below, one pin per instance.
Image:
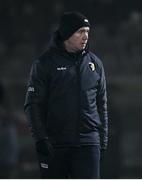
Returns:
(70, 22)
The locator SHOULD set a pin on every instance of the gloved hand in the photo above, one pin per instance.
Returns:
(44, 147)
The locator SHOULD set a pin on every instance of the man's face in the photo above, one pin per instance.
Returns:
(78, 40)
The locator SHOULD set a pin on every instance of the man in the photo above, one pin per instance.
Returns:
(66, 104)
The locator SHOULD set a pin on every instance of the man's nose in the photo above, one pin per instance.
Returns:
(85, 36)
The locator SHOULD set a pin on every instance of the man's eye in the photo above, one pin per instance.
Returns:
(81, 32)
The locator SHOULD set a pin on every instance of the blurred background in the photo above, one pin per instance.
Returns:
(116, 37)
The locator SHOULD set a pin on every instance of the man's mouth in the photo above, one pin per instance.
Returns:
(83, 43)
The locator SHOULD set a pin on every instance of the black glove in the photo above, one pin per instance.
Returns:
(44, 147)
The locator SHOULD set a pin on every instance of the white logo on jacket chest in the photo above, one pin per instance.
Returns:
(43, 165)
(92, 66)
(61, 68)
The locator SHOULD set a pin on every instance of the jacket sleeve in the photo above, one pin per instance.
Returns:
(35, 101)
(102, 109)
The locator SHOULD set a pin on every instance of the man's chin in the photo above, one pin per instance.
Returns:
(82, 47)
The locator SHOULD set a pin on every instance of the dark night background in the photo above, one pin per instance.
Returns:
(116, 37)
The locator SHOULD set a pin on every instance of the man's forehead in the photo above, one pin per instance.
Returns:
(84, 28)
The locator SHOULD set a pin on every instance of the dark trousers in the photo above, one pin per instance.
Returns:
(71, 162)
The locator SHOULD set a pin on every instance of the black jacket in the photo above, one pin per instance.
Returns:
(66, 98)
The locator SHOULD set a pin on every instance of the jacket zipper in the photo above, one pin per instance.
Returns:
(78, 62)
